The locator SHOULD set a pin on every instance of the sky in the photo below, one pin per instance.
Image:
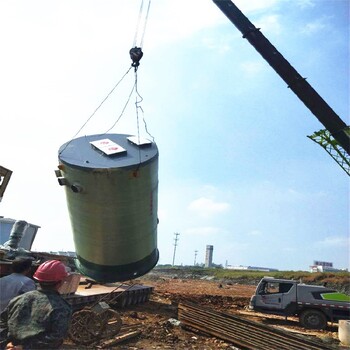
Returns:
(236, 169)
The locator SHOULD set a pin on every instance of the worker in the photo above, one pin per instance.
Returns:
(38, 319)
(17, 282)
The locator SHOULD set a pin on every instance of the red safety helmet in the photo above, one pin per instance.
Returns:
(50, 271)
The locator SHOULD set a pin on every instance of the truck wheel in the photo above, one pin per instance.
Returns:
(313, 319)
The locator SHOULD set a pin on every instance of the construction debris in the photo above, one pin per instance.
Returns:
(241, 332)
(108, 343)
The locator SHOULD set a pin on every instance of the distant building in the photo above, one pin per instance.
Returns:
(323, 263)
(324, 266)
(209, 256)
(251, 268)
(319, 268)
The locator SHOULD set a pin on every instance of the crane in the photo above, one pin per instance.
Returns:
(335, 138)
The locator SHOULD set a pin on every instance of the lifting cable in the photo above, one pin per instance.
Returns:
(136, 51)
(99, 106)
(135, 55)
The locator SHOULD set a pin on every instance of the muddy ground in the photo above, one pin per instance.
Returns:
(155, 320)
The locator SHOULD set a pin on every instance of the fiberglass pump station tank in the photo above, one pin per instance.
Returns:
(111, 185)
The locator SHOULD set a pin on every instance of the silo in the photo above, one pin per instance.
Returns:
(209, 256)
(111, 185)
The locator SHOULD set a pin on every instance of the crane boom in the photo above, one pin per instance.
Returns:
(312, 100)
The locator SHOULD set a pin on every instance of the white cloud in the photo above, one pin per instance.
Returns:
(220, 45)
(315, 26)
(255, 233)
(267, 189)
(269, 24)
(172, 21)
(210, 189)
(294, 195)
(304, 3)
(207, 207)
(288, 249)
(203, 231)
(253, 5)
(252, 68)
(334, 241)
(181, 19)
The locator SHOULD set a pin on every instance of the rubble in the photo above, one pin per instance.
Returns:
(157, 319)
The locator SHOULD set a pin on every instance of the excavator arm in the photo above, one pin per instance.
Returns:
(334, 125)
(5, 175)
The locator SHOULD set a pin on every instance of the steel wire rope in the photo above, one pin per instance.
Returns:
(138, 107)
(136, 56)
(138, 24)
(95, 111)
(122, 112)
(144, 26)
(137, 103)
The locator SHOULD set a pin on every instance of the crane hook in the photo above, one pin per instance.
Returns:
(136, 55)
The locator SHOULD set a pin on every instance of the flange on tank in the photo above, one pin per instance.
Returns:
(111, 184)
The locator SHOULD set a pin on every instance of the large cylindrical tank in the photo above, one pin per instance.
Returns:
(111, 185)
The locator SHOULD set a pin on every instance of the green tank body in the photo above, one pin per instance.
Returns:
(111, 185)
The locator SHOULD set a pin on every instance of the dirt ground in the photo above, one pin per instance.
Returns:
(156, 319)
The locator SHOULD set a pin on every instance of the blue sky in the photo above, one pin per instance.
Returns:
(236, 169)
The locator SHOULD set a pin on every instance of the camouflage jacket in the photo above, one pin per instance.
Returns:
(37, 320)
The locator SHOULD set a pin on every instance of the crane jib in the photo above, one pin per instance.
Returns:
(312, 100)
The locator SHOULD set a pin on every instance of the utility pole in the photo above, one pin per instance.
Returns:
(195, 256)
(175, 245)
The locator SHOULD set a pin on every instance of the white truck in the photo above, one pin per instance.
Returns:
(314, 305)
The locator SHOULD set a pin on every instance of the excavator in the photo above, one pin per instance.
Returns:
(335, 138)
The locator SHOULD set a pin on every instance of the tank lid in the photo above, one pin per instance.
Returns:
(107, 151)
